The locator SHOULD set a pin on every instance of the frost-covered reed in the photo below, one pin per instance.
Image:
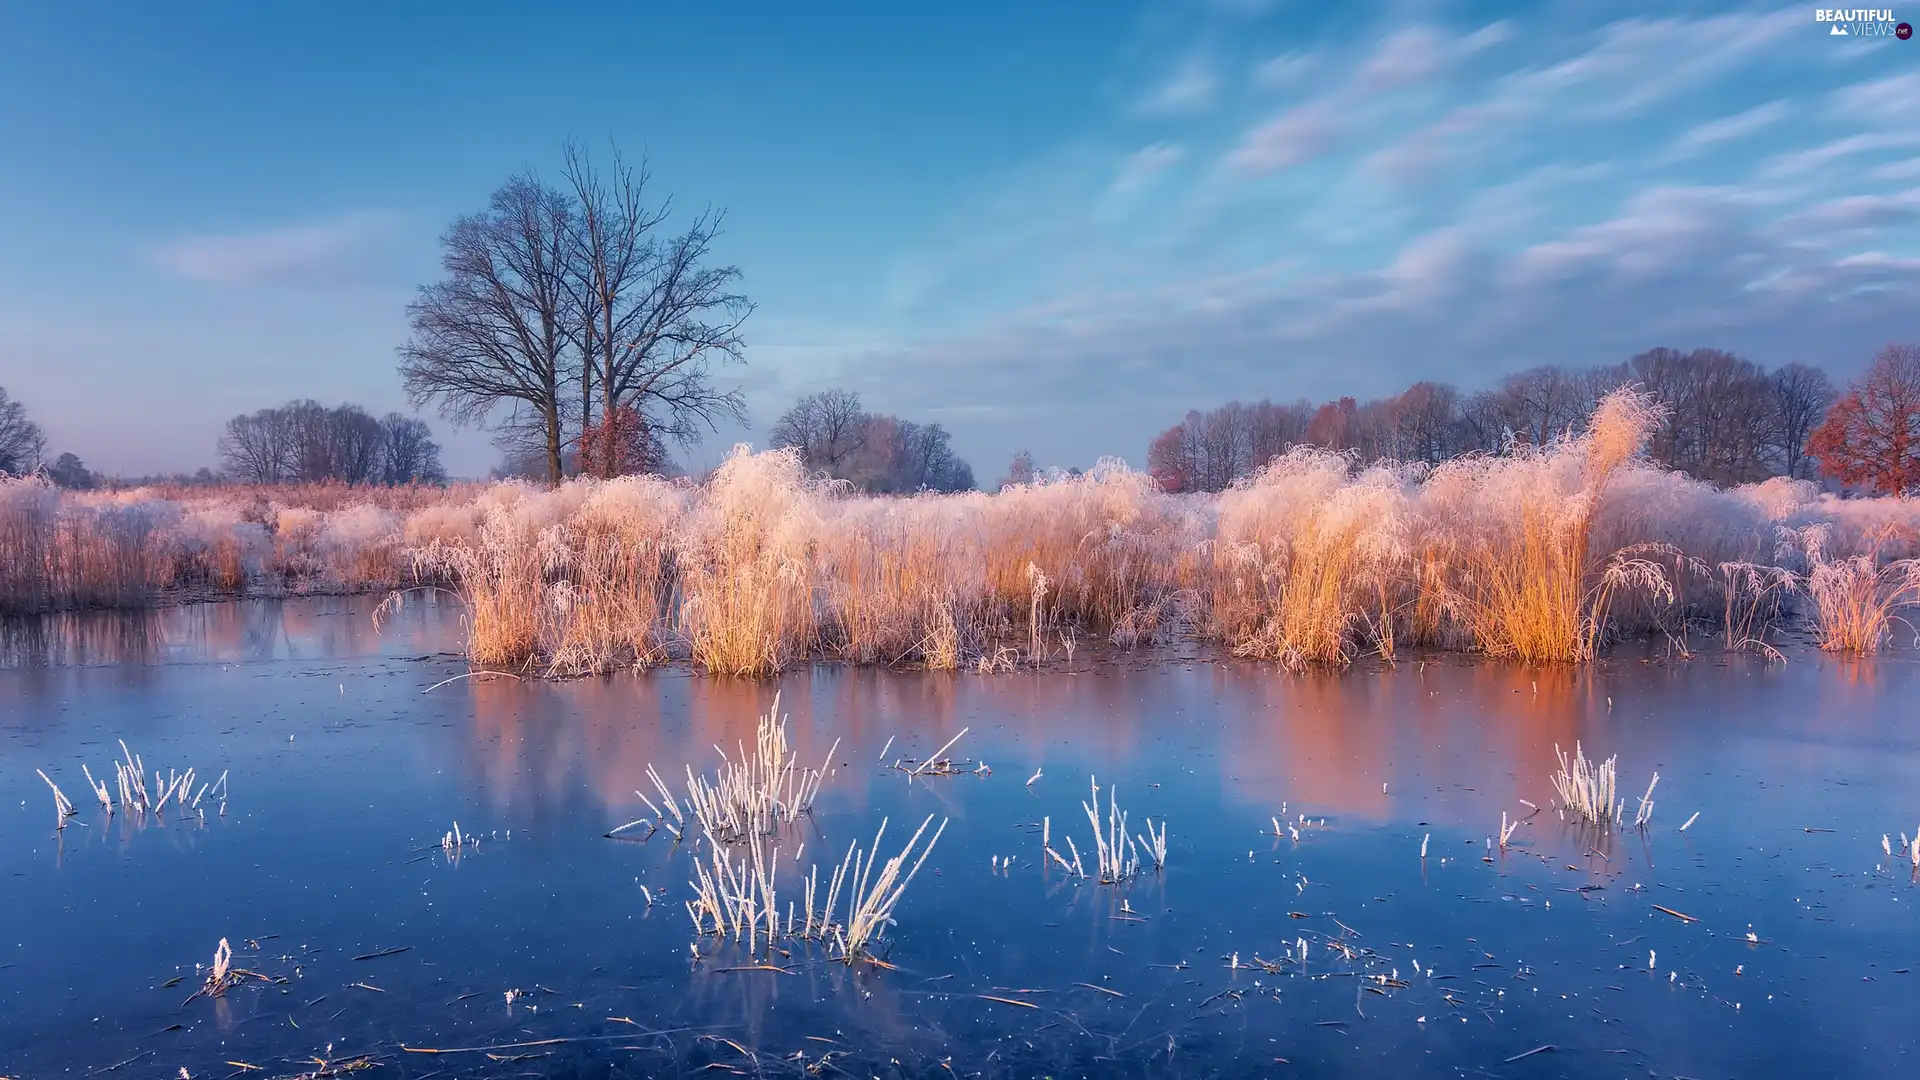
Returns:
(1586, 789)
(1116, 851)
(1591, 792)
(1857, 599)
(738, 897)
(62, 806)
(141, 794)
(748, 796)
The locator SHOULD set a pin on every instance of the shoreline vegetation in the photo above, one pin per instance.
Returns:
(1541, 554)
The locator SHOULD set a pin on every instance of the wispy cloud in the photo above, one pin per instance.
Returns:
(1894, 99)
(324, 253)
(1191, 87)
(1728, 128)
(1419, 52)
(1617, 185)
(1294, 137)
(1143, 164)
(1691, 264)
(1285, 69)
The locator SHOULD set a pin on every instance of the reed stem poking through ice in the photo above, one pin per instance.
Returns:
(62, 807)
(751, 796)
(1644, 815)
(1592, 792)
(738, 897)
(1585, 789)
(1116, 852)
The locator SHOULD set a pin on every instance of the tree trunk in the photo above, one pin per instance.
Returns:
(609, 405)
(582, 466)
(554, 470)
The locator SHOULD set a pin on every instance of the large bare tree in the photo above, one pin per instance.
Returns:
(504, 324)
(656, 315)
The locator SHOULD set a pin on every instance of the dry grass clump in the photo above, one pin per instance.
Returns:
(742, 811)
(739, 899)
(611, 563)
(1857, 599)
(500, 576)
(142, 795)
(1528, 582)
(62, 551)
(222, 975)
(1305, 554)
(1116, 550)
(892, 576)
(746, 563)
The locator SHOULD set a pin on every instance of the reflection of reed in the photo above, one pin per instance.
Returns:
(531, 742)
(248, 631)
(1329, 742)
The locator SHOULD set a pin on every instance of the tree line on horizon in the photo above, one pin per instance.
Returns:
(304, 442)
(1731, 421)
(874, 452)
(22, 443)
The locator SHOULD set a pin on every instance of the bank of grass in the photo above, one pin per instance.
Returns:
(1540, 554)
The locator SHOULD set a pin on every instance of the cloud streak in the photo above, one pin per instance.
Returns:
(329, 252)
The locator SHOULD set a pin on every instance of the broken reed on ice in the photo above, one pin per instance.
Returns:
(1539, 553)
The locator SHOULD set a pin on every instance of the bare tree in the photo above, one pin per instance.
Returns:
(1273, 429)
(1209, 450)
(1871, 438)
(21, 442)
(1427, 422)
(1171, 457)
(1544, 402)
(927, 462)
(828, 428)
(1020, 471)
(501, 326)
(900, 457)
(342, 443)
(1332, 425)
(408, 453)
(658, 316)
(1802, 395)
(258, 448)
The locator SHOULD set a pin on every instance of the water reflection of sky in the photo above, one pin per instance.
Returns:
(343, 771)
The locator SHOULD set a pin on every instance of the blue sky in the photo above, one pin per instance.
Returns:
(1054, 226)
